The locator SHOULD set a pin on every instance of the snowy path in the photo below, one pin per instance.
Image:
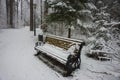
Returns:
(16, 57)
(18, 63)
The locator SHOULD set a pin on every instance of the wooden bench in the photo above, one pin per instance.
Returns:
(65, 50)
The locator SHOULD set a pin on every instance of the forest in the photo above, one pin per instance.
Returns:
(96, 22)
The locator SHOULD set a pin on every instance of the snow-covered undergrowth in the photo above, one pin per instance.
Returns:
(17, 61)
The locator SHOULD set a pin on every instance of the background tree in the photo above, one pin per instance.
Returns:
(7, 10)
(17, 3)
(21, 9)
(31, 15)
(41, 11)
(10, 12)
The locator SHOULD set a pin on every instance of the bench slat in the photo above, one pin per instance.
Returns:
(60, 43)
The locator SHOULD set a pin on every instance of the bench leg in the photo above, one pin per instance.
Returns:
(73, 63)
(78, 63)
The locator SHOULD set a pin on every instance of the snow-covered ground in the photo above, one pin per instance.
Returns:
(17, 61)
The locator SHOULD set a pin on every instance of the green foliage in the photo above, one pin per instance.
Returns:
(76, 4)
(65, 17)
(65, 11)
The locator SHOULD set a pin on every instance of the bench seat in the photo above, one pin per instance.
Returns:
(53, 51)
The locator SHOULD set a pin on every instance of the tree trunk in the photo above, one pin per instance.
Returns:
(21, 9)
(34, 19)
(17, 11)
(7, 10)
(31, 15)
(45, 8)
(0, 8)
(11, 13)
(41, 11)
(69, 32)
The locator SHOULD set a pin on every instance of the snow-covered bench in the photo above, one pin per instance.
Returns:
(65, 50)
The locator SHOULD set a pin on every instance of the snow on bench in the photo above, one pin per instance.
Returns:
(57, 53)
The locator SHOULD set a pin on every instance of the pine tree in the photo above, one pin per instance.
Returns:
(66, 11)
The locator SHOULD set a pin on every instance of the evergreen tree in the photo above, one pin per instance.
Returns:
(66, 11)
(100, 30)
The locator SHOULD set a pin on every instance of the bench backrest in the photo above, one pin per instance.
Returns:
(59, 43)
(62, 42)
